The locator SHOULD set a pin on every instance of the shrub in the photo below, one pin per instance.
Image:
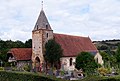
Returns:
(27, 68)
(103, 71)
(62, 73)
(7, 64)
(1, 68)
(14, 69)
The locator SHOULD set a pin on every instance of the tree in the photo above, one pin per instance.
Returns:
(18, 44)
(103, 47)
(3, 55)
(85, 61)
(105, 56)
(117, 55)
(9, 44)
(28, 43)
(2, 44)
(106, 59)
(109, 59)
(53, 52)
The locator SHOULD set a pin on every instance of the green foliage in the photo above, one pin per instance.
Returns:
(16, 76)
(103, 71)
(105, 56)
(62, 73)
(103, 47)
(27, 68)
(118, 54)
(11, 44)
(14, 44)
(53, 51)
(3, 57)
(113, 60)
(14, 69)
(18, 44)
(109, 59)
(28, 43)
(86, 61)
(7, 64)
(1, 68)
(2, 44)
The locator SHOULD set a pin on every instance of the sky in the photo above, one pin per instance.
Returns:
(98, 19)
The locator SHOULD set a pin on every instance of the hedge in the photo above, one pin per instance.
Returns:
(25, 76)
(18, 76)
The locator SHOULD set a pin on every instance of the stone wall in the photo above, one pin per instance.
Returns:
(39, 39)
(37, 45)
(21, 64)
(65, 63)
(98, 58)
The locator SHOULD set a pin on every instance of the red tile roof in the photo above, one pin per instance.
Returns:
(72, 45)
(21, 53)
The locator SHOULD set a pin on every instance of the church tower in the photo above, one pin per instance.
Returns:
(41, 33)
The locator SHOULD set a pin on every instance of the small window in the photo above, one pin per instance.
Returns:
(37, 26)
(97, 60)
(47, 35)
(71, 61)
(46, 25)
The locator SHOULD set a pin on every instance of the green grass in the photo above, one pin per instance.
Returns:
(101, 78)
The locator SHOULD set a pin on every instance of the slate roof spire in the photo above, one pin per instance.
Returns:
(42, 22)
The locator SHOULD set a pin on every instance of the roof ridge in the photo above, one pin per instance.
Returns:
(19, 48)
(70, 35)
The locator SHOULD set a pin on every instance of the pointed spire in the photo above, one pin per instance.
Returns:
(42, 22)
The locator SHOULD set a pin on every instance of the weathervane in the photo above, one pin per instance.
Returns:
(42, 4)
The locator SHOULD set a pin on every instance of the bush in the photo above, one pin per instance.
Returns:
(1, 68)
(7, 64)
(14, 69)
(27, 68)
(62, 73)
(103, 71)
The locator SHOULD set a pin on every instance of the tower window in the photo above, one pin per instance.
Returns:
(47, 35)
(37, 26)
(46, 25)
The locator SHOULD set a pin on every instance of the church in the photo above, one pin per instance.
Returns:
(42, 32)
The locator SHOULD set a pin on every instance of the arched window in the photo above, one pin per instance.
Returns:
(97, 60)
(71, 61)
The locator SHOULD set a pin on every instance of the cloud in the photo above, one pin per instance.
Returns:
(98, 19)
